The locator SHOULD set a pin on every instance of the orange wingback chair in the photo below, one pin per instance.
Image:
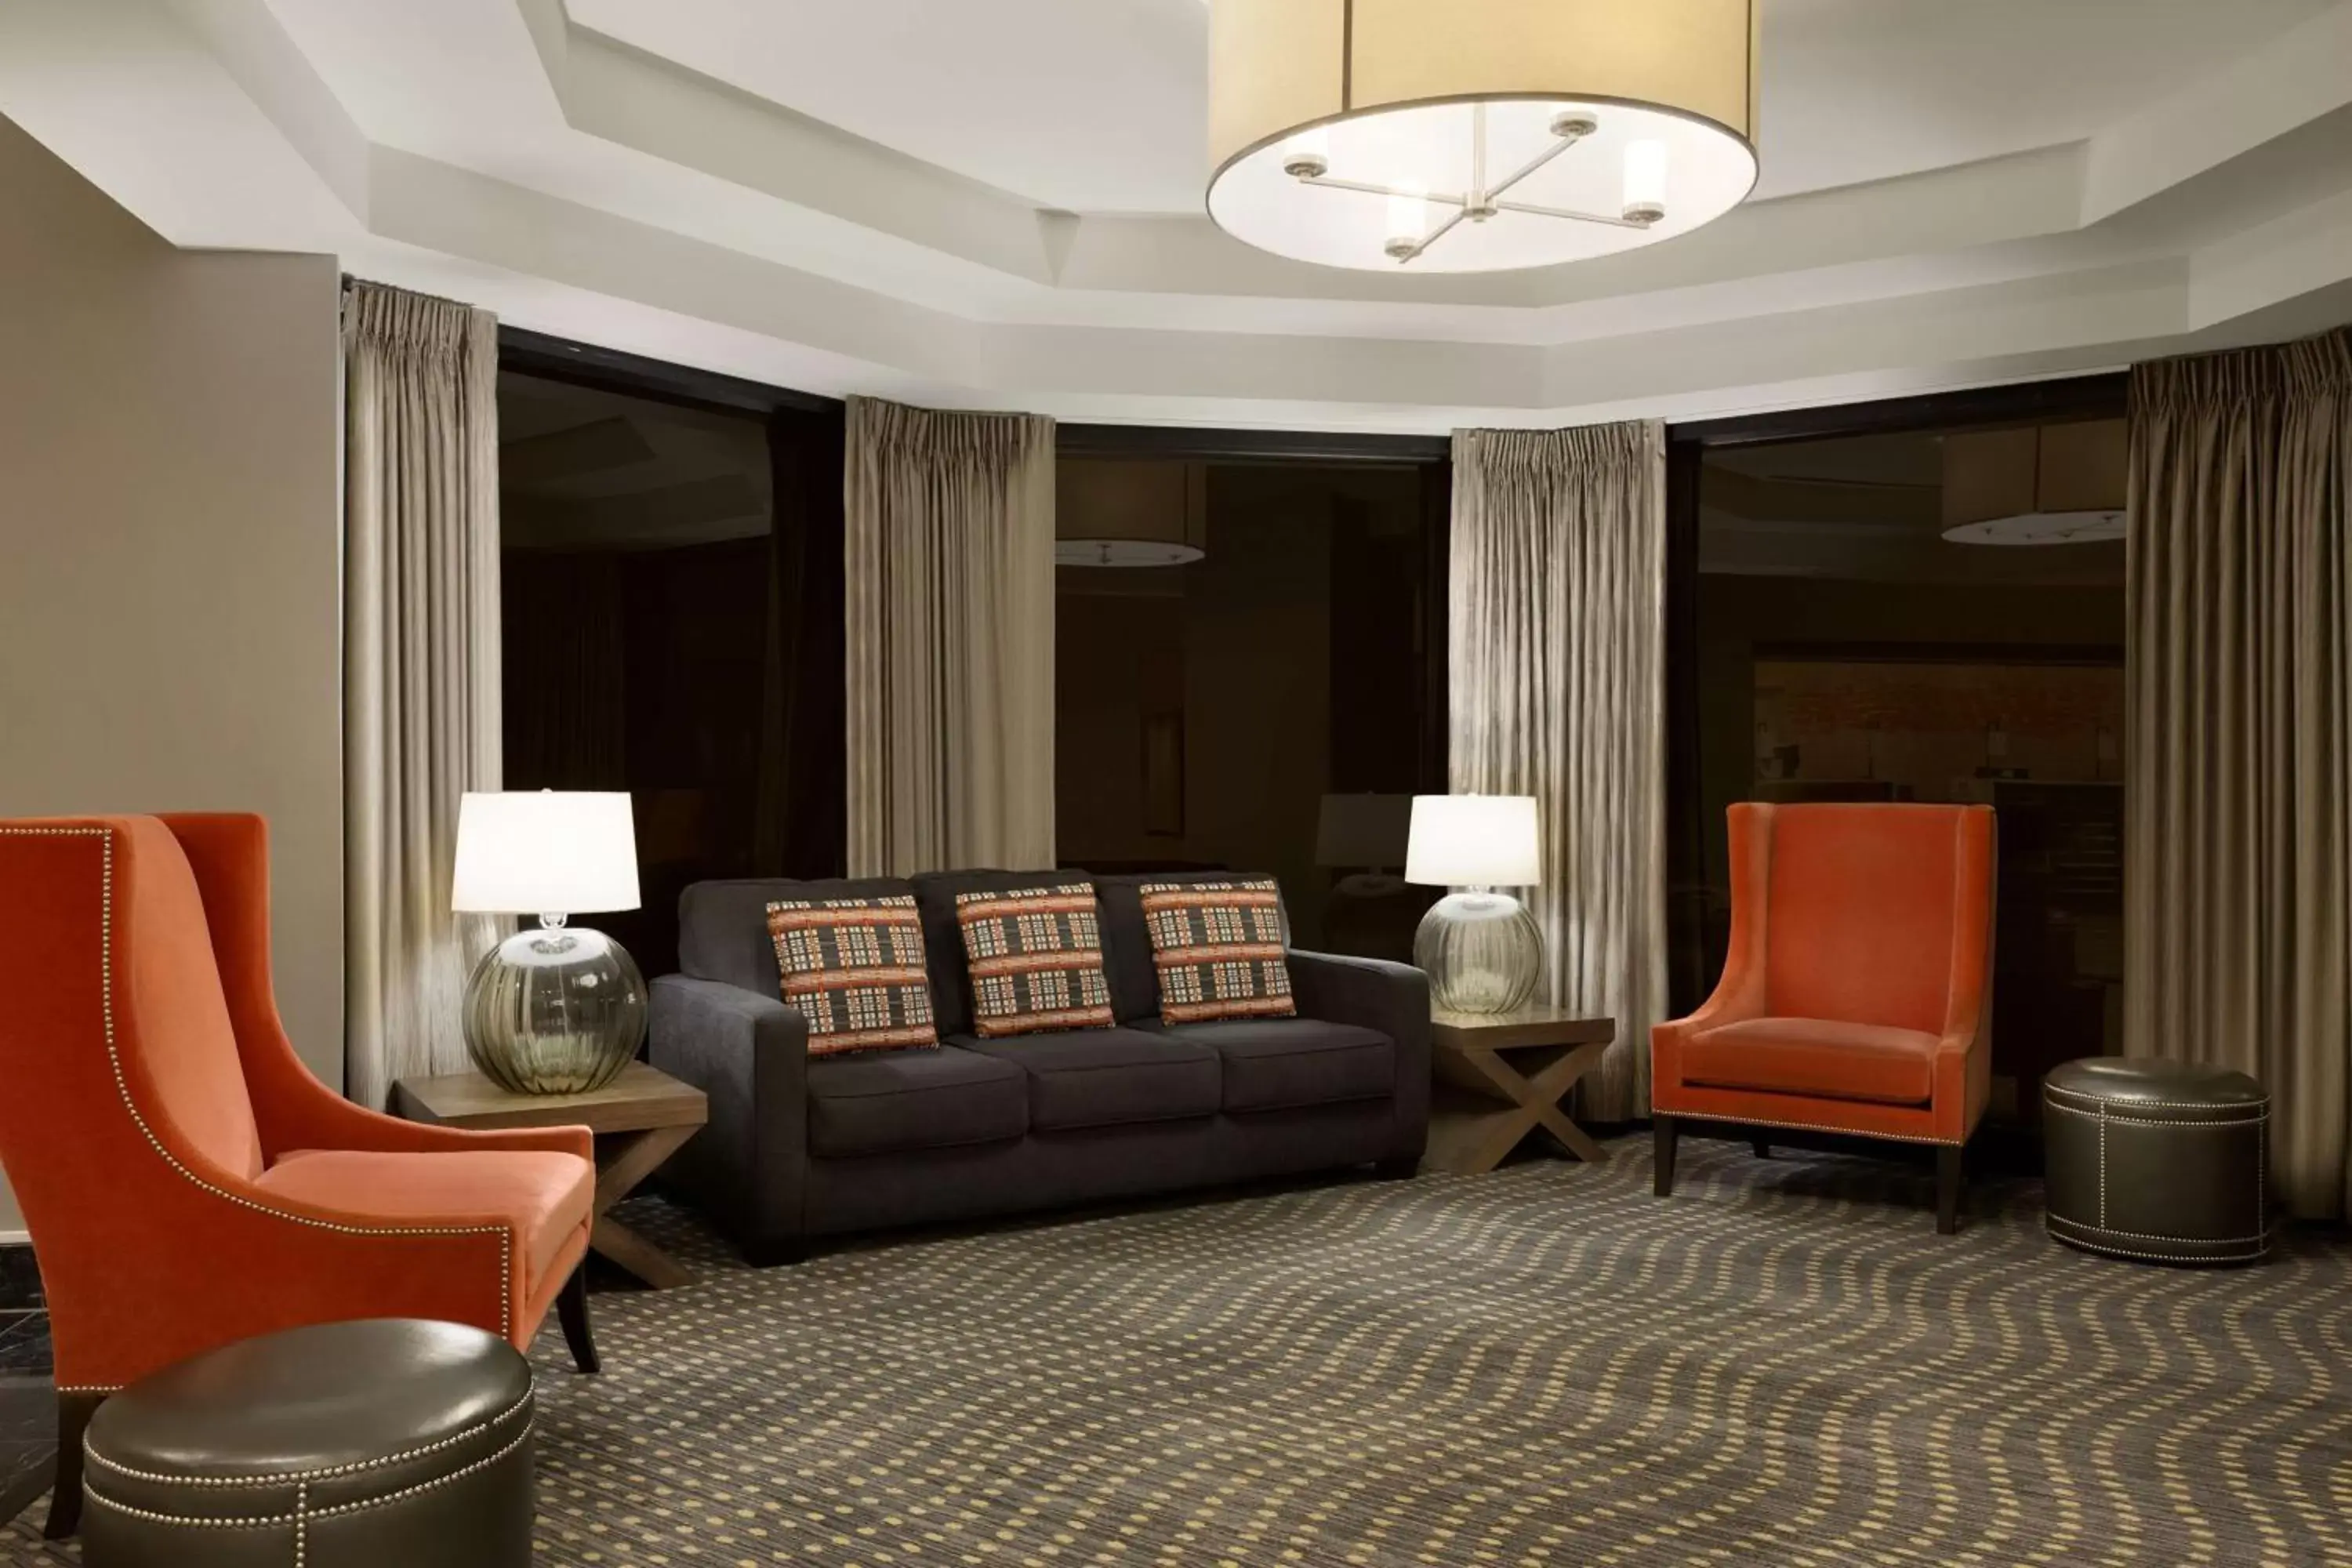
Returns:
(186, 1180)
(1857, 996)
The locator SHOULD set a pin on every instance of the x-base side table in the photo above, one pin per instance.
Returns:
(639, 1118)
(1500, 1076)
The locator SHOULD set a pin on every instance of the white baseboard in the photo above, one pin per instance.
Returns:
(16, 1238)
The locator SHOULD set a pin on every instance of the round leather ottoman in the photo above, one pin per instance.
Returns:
(2157, 1160)
(372, 1444)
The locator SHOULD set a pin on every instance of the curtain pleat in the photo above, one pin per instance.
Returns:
(420, 668)
(2238, 926)
(1557, 631)
(949, 572)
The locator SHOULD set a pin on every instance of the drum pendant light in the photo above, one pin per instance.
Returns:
(1477, 135)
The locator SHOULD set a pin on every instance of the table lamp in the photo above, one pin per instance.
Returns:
(1479, 947)
(557, 1009)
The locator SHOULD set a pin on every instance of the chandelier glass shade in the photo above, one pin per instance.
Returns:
(1477, 135)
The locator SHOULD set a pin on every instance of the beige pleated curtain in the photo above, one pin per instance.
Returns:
(1557, 633)
(949, 572)
(420, 668)
(2238, 869)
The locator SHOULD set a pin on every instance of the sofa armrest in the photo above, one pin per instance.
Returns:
(749, 1054)
(1375, 994)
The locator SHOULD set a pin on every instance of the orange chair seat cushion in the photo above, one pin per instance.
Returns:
(546, 1196)
(1819, 1056)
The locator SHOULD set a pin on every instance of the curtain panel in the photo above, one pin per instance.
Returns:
(421, 669)
(1556, 588)
(949, 572)
(2238, 855)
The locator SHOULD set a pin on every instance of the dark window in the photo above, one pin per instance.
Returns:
(1838, 636)
(1271, 706)
(671, 586)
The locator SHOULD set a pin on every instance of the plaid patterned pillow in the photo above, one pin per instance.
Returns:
(1035, 956)
(855, 968)
(1218, 948)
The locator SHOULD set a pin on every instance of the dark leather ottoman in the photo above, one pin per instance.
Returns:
(372, 1444)
(2157, 1160)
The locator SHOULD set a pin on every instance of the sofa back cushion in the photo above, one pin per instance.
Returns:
(722, 927)
(1126, 936)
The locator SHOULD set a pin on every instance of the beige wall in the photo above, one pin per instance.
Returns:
(169, 570)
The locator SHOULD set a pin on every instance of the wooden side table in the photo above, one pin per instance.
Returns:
(1499, 1076)
(639, 1120)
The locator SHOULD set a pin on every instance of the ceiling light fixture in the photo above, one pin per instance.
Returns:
(2048, 484)
(1477, 135)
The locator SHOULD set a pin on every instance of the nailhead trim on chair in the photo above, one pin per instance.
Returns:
(304, 1514)
(327, 1473)
(122, 1085)
(1808, 1127)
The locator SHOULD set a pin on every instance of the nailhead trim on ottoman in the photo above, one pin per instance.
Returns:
(366, 1445)
(2160, 1161)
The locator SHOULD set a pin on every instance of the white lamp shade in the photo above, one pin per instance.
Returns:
(1474, 841)
(545, 852)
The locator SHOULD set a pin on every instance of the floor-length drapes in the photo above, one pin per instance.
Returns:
(1557, 647)
(2238, 851)
(949, 570)
(420, 668)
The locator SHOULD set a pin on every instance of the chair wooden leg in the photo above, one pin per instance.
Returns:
(571, 1307)
(74, 1411)
(1663, 1132)
(1948, 1189)
(1763, 1147)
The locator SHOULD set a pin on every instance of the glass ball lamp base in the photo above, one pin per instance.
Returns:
(554, 1010)
(1481, 951)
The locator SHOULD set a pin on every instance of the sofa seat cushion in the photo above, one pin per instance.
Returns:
(547, 1196)
(1272, 1064)
(890, 1101)
(1875, 1062)
(1108, 1077)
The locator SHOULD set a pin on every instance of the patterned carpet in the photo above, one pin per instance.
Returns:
(1783, 1364)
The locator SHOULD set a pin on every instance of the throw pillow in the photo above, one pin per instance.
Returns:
(1036, 958)
(1218, 949)
(855, 968)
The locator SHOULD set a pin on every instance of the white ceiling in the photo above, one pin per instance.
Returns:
(999, 203)
(1083, 105)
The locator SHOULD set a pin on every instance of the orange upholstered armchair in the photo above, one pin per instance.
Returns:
(186, 1180)
(1857, 996)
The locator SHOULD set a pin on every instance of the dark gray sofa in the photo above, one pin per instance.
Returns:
(797, 1150)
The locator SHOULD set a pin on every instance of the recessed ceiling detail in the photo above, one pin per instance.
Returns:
(1001, 205)
(1478, 135)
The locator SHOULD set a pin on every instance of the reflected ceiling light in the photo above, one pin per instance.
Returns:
(2051, 484)
(1129, 512)
(1477, 135)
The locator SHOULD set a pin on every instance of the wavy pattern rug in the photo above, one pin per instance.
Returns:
(1782, 1364)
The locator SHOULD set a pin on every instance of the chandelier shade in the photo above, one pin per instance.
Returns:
(1477, 135)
